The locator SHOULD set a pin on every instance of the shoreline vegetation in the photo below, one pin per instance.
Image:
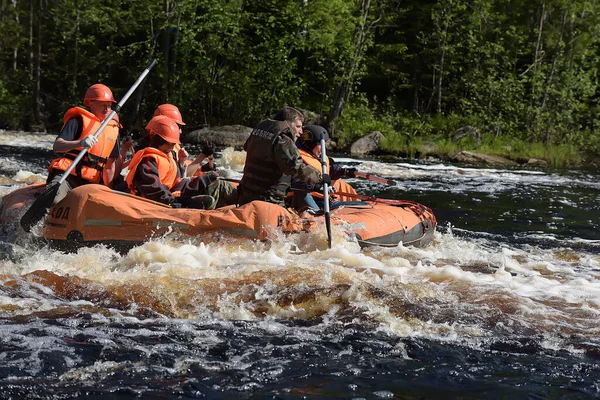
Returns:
(519, 80)
(463, 144)
(535, 155)
(466, 145)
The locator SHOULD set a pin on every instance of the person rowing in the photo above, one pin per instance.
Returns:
(105, 154)
(306, 196)
(155, 175)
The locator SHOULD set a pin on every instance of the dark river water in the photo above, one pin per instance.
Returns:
(504, 304)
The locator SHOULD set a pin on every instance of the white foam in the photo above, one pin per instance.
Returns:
(41, 140)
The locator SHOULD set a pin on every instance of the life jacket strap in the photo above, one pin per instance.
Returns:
(89, 160)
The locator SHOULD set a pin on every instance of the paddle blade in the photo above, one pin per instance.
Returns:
(328, 227)
(39, 207)
(374, 178)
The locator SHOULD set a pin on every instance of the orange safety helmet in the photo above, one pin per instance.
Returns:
(164, 127)
(98, 92)
(170, 111)
(152, 123)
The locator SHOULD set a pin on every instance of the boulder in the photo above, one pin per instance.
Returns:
(367, 144)
(471, 157)
(538, 162)
(595, 162)
(223, 136)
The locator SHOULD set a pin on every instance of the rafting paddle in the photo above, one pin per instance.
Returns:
(45, 200)
(392, 202)
(325, 192)
(374, 178)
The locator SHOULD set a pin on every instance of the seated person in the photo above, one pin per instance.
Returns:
(180, 155)
(305, 195)
(223, 192)
(154, 174)
(273, 161)
(102, 162)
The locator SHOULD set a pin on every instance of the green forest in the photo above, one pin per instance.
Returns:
(516, 75)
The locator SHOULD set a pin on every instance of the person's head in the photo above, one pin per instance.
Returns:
(311, 138)
(99, 99)
(164, 133)
(293, 117)
(170, 111)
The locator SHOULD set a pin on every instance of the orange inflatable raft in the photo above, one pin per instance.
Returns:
(93, 214)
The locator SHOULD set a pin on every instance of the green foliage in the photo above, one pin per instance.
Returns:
(358, 120)
(417, 70)
(10, 108)
(556, 155)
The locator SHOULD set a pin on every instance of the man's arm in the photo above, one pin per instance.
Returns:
(108, 173)
(68, 138)
(195, 164)
(114, 164)
(147, 182)
(288, 159)
(208, 150)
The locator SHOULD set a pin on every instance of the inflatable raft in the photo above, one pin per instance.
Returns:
(93, 214)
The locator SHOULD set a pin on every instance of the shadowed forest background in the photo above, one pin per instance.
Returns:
(509, 73)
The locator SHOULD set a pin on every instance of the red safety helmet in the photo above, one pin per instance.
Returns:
(170, 111)
(98, 92)
(164, 127)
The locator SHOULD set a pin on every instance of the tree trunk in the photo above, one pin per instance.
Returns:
(174, 57)
(437, 74)
(31, 16)
(433, 87)
(538, 48)
(443, 45)
(37, 77)
(76, 61)
(16, 50)
(553, 70)
(442, 59)
(166, 43)
(343, 89)
(338, 103)
(555, 59)
(438, 108)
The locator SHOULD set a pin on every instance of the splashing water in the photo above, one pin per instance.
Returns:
(505, 301)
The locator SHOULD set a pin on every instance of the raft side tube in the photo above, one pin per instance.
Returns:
(94, 214)
(100, 214)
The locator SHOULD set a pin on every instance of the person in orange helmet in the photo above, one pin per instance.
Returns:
(103, 160)
(223, 192)
(154, 174)
(180, 154)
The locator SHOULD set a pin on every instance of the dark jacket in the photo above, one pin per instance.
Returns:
(272, 161)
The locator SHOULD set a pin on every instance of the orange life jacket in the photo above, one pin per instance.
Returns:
(313, 161)
(90, 167)
(167, 167)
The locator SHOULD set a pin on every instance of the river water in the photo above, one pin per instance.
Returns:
(505, 303)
